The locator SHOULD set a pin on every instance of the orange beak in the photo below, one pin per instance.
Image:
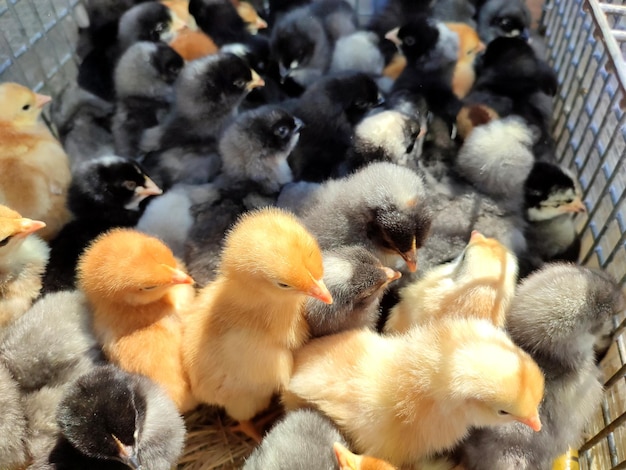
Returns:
(320, 292)
(41, 100)
(256, 81)
(149, 188)
(393, 36)
(29, 226)
(533, 422)
(476, 235)
(260, 23)
(410, 257)
(575, 206)
(178, 276)
(391, 274)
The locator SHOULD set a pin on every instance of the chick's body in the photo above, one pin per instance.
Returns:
(136, 291)
(243, 328)
(34, 168)
(397, 400)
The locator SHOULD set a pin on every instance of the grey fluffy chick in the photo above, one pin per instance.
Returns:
(557, 315)
(383, 207)
(358, 52)
(13, 425)
(303, 439)
(357, 281)
(143, 78)
(131, 420)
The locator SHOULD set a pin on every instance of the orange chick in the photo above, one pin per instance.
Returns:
(349, 461)
(404, 398)
(34, 168)
(136, 291)
(190, 42)
(470, 46)
(480, 283)
(23, 260)
(242, 329)
(250, 16)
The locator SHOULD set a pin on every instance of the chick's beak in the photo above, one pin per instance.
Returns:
(149, 188)
(320, 292)
(575, 206)
(178, 276)
(391, 274)
(393, 36)
(481, 47)
(476, 236)
(533, 422)
(260, 23)
(256, 81)
(42, 100)
(128, 455)
(410, 257)
(29, 226)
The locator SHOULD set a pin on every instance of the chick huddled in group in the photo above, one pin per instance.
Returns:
(238, 348)
(137, 292)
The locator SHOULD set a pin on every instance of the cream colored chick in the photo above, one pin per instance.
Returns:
(480, 283)
(243, 328)
(403, 398)
(136, 291)
(23, 260)
(34, 168)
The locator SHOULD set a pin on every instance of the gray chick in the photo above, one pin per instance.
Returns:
(302, 439)
(108, 416)
(357, 282)
(13, 425)
(183, 149)
(143, 78)
(382, 207)
(358, 52)
(557, 315)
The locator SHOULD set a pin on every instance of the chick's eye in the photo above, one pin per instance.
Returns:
(5, 241)
(26, 107)
(409, 40)
(282, 285)
(240, 83)
(149, 288)
(282, 131)
(130, 185)
(503, 413)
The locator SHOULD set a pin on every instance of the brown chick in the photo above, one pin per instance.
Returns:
(404, 398)
(471, 116)
(480, 283)
(34, 168)
(23, 260)
(349, 461)
(136, 291)
(470, 46)
(190, 42)
(242, 329)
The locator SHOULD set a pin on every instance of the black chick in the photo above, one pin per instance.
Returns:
(110, 419)
(330, 109)
(503, 18)
(106, 192)
(219, 20)
(144, 78)
(184, 148)
(254, 151)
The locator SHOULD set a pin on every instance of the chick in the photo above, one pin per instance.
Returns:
(473, 116)
(349, 461)
(136, 291)
(23, 260)
(470, 46)
(208, 92)
(330, 109)
(503, 18)
(480, 283)
(238, 349)
(358, 52)
(106, 192)
(220, 20)
(109, 416)
(357, 281)
(34, 168)
(556, 316)
(144, 78)
(13, 426)
(383, 207)
(250, 16)
(402, 402)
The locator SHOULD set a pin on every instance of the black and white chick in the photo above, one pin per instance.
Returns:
(382, 207)
(110, 419)
(254, 150)
(357, 280)
(503, 18)
(330, 108)
(557, 315)
(105, 193)
(148, 21)
(144, 79)
(183, 149)
(13, 426)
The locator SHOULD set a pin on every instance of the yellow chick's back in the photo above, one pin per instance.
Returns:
(403, 398)
(136, 290)
(479, 284)
(34, 168)
(470, 46)
(241, 331)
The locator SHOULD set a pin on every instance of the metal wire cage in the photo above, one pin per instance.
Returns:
(586, 45)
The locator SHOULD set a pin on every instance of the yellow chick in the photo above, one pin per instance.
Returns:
(404, 398)
(23, 260)
(470, 46)
(34, 168)
(480, 283)
(350, 461)
(136, 291)
(242, 329)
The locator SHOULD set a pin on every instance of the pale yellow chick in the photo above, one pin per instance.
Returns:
(241, 332)
(404, 398)
(480, 283)
(34, 168)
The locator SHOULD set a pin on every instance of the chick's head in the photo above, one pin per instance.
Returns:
(128, 266)
(485, 257)
(14, 229)
(19, 105)
(272, 247)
